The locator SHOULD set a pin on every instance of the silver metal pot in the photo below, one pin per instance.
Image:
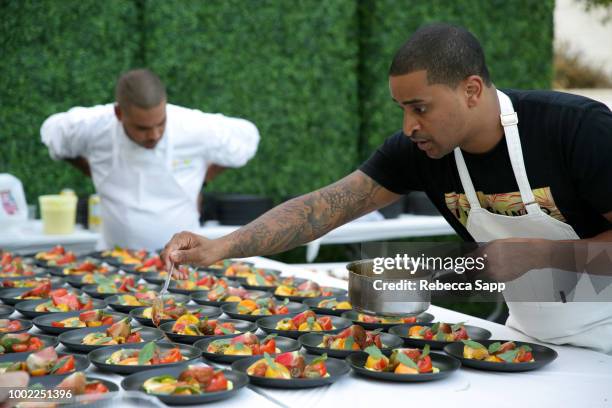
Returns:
(366, 295)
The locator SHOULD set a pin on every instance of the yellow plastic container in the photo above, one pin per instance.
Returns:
(58, 213)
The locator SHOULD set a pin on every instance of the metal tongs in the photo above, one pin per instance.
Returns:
(157, 307)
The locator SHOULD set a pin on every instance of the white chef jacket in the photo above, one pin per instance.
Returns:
(200, 139)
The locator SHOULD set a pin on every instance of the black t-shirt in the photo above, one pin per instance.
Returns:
(567, 149)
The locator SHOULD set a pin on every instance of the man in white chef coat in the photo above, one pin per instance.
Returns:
(148, 158)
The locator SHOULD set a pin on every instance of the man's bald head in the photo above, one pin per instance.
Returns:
(140, 88)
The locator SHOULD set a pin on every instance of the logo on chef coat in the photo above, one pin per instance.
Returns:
(182, 164)
(9, 204)
(508, 204)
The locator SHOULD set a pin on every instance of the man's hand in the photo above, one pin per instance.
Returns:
(192, 249)
(82, 164)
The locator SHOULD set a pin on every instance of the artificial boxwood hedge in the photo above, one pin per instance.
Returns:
(311, 74)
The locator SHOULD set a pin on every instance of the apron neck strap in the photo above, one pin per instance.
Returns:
(466, 180)
(509, 120)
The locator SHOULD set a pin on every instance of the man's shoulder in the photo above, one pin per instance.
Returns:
(556, 100)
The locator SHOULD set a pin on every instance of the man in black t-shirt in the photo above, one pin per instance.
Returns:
(459, 130)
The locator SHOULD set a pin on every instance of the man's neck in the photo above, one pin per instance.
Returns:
(487, 129)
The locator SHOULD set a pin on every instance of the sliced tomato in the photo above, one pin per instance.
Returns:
(218, 383)
(57, 324)
(172, 356)
(269, 347)
(325, 322)
(133, 338)
(19, 348)
(13, 325)
(424, 365)
(69, 299)
(96, 388)
(67, 366)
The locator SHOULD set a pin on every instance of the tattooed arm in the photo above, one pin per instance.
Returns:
(288, 225)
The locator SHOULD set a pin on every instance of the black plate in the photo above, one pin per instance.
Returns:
(200, 297)
(220, 271)
(243, 279)
(47, 341)
(134, 383)
(77, 280)
(336, 292)
(352, 315)
(208, 311)
(38, 272)
(72, 339)
(240, 325)
(401, 330)
(26, 307)
(99, 356)
(267, 288)
(25, 324)
(92, 290)
(8, 296)
(336, 369)
(172, 287)
(268, 324)
(311, 341)
(43, 322)
(541, 354)
(6, 311)
(56, 281)
(282, 343)
(50, 382)
(313, 302)
(80, 362)
(112, 302)
(446, 364)
(60, 272)
(230, 310)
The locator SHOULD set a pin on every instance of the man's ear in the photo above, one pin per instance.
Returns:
(118, 112)
(473, 87)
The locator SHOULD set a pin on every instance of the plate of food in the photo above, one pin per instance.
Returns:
(370, 322)
(83, 388)
(127, 303)
(31, 282)
(13, 266)
(187, 384)
(83, 267)
(44, 290)
(350, 340)
(67, 303)
(300, 291)
(125, 285)
(438, 334)
(329, 305)
(6, 311)
(122, 332)
(131, 358)
(501, 355)
(25, 342)
(14, 325)
(201, 281)
(229, 349)
(404, 364)
(57, 323)
(264, 279)
(44, 362)
(189, 329)
(222, 293)
(291, 370)
(219, 267)
(174, 312)
(55, 258)
(121, 256)
(78, 281)
(158, 278)
(302, 323)
(252, 310)
(151, 264)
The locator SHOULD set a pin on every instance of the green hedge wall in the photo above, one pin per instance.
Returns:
(55, 55)
(311, 74)
(290, 67)
(516, 36)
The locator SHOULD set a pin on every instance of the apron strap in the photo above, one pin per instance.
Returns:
(509, 120)
(466, 180)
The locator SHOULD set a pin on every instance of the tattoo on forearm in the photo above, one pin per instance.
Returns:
(306, 218)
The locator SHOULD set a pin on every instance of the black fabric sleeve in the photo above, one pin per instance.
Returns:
(591, 158)
(394, 165)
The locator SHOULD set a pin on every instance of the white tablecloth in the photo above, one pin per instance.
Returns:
(30, 238)
(577, 378)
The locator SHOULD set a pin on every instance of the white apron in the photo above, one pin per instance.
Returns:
(586, 324)
(142, 203)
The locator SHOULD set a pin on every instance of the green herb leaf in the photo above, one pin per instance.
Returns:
(103, 340)
(225, 330)
(493, 347)
(457, 326)
(319, 359)
(508, 356)
(473, 344)
(260, 280)
(348, 343)
(146, 353)
(435, 327)
(525, 348)
(425, 352)
(374, 351)
(59, 364)
(269, 337)
(440, 336)
(407, 361)
(271, 363)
